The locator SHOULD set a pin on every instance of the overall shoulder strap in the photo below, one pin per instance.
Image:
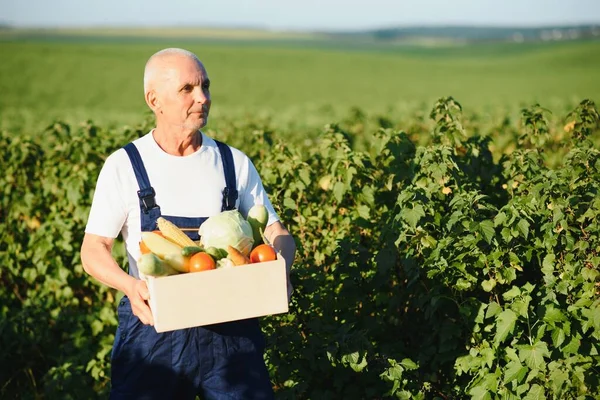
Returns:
(146, 192)
(230, 193)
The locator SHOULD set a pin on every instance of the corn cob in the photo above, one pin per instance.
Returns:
(173, 233)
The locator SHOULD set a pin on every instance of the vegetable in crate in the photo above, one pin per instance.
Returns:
(189, 251)
(215, 253)
(201, 262)
(150, 264)
(236, 257)
(178, 262)
(227, 228)
(159, 245)
(173, 233)
(263, 253)
(258, 218)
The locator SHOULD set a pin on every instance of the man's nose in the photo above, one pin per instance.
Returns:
(200, 96)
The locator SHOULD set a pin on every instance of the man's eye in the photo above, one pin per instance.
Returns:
(206, 86)
(187, 88)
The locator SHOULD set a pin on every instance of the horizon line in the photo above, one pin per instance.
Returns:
(6, 24)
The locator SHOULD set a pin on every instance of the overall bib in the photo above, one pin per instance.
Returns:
(220, 361)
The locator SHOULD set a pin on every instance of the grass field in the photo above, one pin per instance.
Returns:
(303, 82)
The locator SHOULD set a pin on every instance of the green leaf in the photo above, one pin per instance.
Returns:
(413, 215)
(289, 203)
(394, 372)
(500, 218)
(488, 285)
(493, 309)
(511, 354)
(465, 364)
(528, 287)
(480, 393)
(596, 316)
(487, 229)
(505, 323)
(553, 315)
(558, 337)
(305, 176)
(339, 189)
(463, 284)
(355, 361)
(536, 393)
(363, 211)
(548, 263)
(506, 234)
(557, 379)
(520, 307)
(488, 356)
(511, 294)
(533, 355)
(428, 241)
(573, 346)
(514, 371)
(409, 364)
(523, 226)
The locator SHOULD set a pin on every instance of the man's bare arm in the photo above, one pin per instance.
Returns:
(97, 261)
(283, 242)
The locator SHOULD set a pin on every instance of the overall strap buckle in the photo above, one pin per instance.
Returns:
(230, 193)
(147, 199)
(229, 198)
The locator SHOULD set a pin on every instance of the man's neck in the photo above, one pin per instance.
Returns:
(177, 143)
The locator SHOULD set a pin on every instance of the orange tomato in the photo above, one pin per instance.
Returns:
(262, 253)
(201, 262)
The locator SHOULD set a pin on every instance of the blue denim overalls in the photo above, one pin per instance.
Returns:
(221, 361)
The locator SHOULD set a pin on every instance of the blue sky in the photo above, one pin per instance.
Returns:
(298, 15)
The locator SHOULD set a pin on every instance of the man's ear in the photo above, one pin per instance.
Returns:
(152, 100)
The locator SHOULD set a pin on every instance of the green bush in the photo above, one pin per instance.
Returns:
(431, 266)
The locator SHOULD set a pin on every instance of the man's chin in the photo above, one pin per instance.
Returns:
(196, 125)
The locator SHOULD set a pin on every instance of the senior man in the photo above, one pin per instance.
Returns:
(149, 178)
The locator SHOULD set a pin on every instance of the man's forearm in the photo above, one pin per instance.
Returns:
(97, 261)
(284, 244)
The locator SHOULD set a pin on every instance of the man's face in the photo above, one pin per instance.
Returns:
(184, 94)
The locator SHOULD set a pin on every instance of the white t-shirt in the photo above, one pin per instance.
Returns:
(189, 186)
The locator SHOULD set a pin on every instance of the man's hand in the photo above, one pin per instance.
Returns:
(138, 295)
(98, 262)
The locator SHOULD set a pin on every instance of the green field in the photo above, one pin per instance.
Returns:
(291, 82)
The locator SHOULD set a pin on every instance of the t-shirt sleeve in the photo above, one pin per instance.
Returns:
(253, 192)
(108, 212)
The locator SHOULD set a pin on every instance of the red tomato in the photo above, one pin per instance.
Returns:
(201, 262)
(262, 253)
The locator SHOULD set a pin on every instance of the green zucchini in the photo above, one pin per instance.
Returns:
(189, 251)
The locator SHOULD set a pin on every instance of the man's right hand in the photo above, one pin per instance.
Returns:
(138, 295)
(98, 262)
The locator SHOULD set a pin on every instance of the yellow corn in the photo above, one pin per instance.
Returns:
(173, 233)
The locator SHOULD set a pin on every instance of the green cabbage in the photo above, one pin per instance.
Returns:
(228, 228)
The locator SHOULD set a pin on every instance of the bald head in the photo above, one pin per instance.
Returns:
(158, 64)
(177, 90)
